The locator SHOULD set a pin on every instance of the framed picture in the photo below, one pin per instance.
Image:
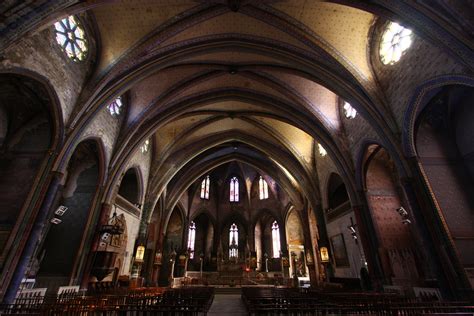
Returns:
(339, 251)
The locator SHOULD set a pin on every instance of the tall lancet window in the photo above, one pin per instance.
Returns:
(233, 241)
(263, 188)
(234, 190)
(191, 239)
(276, 240)
(205, 188)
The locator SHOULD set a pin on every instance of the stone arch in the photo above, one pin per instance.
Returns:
(396, 247)
(131, 186)
(204, 242)
(60, 258)
(27, 137)
(31, 131)
(336, 191)
(296, 241)
(443, 147)
(262, 228)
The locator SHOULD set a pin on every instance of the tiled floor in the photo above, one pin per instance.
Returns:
(227, 304)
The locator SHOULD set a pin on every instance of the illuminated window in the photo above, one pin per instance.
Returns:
(191, 239)
(146, 145)
(263, 188)
(233, 241)
(71, 37)
(115, 107)
(234, 190)
(205, 188)
(349, 111)
(395, 41)
(276, 240)
(321, 150)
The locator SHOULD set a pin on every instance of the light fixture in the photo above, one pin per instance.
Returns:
(61, 210)
(323, 251)
(140, 254)
(404, 215)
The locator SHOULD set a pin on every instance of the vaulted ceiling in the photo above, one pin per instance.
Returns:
(213, 81)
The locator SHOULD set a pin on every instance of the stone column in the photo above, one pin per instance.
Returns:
(35, 236)
(370, 242)
(452, 278)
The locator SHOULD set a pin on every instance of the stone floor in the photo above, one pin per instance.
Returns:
(227, 304)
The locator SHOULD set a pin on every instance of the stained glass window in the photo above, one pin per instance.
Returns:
(71, 37)
(276, 240)
(115, 107)
(395, 41)
(263, 188)
(146, 145)
(349, 111)
(205, 188)
(191, 239)
(233, 241)
(234, 190)
(321, 150)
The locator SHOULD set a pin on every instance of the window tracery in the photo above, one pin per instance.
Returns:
(233, 241)
(205, 188)
(349, 111)
(234, 190)
(263, 188)
(276, 240)
(191, 239)
(396, 39)
(145, 147)
(321, 150)
(71, 37)
(115, 107)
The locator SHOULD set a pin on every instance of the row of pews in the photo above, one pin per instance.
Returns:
(145, 301)
(285, 301)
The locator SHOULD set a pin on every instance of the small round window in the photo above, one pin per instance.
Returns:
(72, 38)
(395, 41)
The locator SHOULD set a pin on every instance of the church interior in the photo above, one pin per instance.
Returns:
(177, 148)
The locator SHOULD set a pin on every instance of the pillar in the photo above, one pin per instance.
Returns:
(34, 239)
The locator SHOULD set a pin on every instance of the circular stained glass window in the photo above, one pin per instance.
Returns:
(72, 38)
(395, 41)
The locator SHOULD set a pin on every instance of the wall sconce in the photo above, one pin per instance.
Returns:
(140, 254)
(404, 215)
(353, 231)
(323, 251)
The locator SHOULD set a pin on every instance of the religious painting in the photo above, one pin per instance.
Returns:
(339, 251)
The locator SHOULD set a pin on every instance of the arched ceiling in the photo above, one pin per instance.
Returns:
(203, 76)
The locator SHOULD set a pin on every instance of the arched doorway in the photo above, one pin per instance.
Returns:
(59, 255)
(445, 148)
(395, 240)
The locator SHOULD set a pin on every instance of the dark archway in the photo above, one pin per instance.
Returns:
(130, 187)
(61, 250)
(26, 135)
(338, 199)
(445, 147)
